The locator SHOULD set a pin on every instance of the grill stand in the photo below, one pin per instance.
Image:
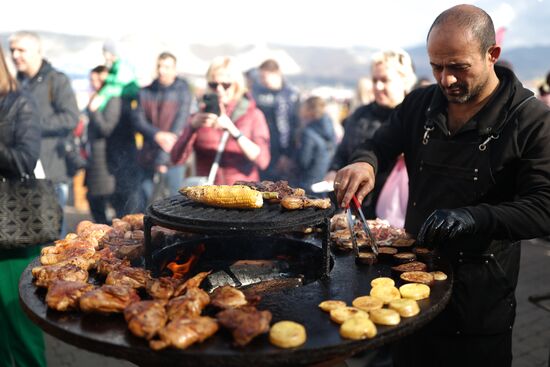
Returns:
(151, 220)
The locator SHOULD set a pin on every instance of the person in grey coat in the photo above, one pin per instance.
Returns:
(56, 105)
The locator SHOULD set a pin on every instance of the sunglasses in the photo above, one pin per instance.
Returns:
(214, 85)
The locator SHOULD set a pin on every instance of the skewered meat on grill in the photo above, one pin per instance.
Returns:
(293, 202)
(65, 295)
(245, 323)
(45, 275)
(227, 297)
(108, 299)
(145, 318)
(190, 304)
(162, 288)
(183, 332)
(128, 276)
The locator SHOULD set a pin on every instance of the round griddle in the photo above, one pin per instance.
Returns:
(109, 335)
(180, 212)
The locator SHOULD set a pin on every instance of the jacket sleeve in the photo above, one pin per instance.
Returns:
(106, 121)
(528, 214)
(184, 145)
(64, 116)
(27, 137)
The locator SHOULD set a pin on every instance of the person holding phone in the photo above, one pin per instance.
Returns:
(226, 106)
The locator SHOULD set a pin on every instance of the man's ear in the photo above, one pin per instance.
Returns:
(494, 53)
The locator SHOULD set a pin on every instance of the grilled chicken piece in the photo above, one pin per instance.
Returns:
(162, 288)
(65, 295)
(228, 297)
(128, 276)
(193, 282)
(47, 274)
(70, 252)
(145, 318)
(94, 232)
(65, 244)
(292, 202)
(135, 220)
(121, 225)
(108, 299)
(105, 266)
(190, 304)
(245, 323)
(183, 332)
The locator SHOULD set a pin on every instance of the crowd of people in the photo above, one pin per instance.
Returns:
(399, 138)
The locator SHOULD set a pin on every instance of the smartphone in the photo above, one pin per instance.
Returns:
(211, 103)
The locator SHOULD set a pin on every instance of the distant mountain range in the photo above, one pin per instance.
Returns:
(311, 66)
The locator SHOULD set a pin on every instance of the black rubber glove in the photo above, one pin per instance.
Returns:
(444, 225)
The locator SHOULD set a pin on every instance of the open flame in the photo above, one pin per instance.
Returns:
(179, 270)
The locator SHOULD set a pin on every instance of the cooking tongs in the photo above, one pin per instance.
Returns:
(351, 224)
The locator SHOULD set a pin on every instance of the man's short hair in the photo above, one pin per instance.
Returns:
(167, 55)
(100, 69)
(19, 35)
(476, 20)
(270, 65)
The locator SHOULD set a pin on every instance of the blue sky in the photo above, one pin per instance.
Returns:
(331, 23)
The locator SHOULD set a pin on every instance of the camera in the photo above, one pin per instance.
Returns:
(211, 103)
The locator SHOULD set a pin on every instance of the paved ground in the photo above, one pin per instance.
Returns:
(531, 333)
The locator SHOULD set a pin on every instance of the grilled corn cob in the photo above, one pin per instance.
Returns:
(225, 196)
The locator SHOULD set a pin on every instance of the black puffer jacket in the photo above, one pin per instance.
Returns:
(19, 134)
(58, 111)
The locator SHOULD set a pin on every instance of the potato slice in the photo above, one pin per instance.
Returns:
(385, 316)
(415, 291)
(382, 281)
(287, 334)
(405, 307)
(385, 293)
(341, 314)
(358, 328)
(331, 305)
(439, 275)
(367, 303)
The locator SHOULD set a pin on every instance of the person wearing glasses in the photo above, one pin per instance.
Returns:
(247, 149)
(477, 150)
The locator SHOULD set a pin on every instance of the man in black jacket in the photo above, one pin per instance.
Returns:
(477, 149)
(56, 106)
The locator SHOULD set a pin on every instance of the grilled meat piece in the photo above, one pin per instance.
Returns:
(108, 299)
(53, 258)
(293, 202)
(245, 323)
(183, 332)
(145, 318)
(65, 295)
(135, 220)
(60, 246)
(193, 282)
(47, 274)
(107, 265)
(121, 225)
(280, 187)
(128, 276)
(190, 304)
(228, 297)
(162, 288)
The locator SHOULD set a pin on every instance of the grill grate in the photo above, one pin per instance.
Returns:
(183, 213)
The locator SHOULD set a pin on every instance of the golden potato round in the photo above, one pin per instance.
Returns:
(357, 328)
(287, 334)
(385, 316)
(341, 314)
(382, 281)
(331, 305)
(367, 303)
(415, 291)
(385, 293)
(405, 307)
(439, 275)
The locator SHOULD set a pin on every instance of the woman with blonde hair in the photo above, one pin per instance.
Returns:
(393, 77)
(21, 342)
(247, 149)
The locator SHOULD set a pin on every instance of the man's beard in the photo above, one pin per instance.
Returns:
(466, 95)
